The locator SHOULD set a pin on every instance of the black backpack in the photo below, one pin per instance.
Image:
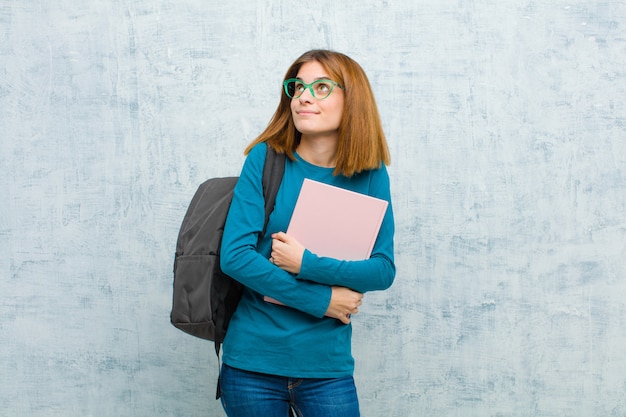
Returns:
(204, 297)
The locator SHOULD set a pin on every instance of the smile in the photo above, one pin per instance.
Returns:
(306, 112)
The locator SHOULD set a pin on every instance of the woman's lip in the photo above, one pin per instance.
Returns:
(306, 112)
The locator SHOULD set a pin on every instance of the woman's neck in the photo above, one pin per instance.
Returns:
(319, 151)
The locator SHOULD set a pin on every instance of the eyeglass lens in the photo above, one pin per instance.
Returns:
(320, 89)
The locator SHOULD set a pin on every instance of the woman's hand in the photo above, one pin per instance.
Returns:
(287, 252)
(343, 303)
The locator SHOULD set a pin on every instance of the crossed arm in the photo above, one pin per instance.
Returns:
(287, 254)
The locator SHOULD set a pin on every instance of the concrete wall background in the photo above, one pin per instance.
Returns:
(507, 126)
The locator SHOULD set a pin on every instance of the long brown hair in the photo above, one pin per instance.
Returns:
(362, 144)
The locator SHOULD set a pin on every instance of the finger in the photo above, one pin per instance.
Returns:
(277, 245)
(279, 236)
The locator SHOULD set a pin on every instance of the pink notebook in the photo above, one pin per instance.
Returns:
(334, 222)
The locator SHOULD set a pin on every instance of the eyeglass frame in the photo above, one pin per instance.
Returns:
(310, 87)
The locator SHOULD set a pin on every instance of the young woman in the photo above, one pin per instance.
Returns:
(299, 354)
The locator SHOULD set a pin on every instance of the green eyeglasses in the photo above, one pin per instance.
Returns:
(320, 89)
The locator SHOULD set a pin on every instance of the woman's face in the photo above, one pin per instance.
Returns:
(311, 116)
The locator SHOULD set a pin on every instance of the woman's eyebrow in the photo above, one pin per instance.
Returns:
(326, 77)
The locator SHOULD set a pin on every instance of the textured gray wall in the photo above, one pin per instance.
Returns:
(507, 126)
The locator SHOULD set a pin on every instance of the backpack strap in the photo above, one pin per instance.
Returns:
(273, 171)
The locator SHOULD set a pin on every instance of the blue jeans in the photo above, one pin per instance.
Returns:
(250, 394)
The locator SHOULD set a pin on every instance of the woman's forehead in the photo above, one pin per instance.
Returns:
(312, 70)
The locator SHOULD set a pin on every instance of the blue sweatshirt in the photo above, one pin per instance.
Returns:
(295, 340)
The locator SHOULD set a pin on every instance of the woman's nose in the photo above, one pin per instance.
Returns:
(307, 95)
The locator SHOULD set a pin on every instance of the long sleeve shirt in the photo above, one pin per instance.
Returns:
(295, 340)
